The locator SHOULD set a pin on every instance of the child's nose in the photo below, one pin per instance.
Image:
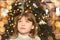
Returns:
(23, 23)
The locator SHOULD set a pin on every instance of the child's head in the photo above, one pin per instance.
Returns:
(26, 24)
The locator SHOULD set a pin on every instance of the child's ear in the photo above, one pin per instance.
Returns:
(33, 27)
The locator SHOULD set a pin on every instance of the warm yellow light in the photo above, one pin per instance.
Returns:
(53, 0)
(58, 11)
(57, 24)
(4, 12)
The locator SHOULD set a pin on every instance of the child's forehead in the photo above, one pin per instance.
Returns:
(24, 17)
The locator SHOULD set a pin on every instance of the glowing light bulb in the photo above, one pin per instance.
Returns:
(4, 12)
(58, 11)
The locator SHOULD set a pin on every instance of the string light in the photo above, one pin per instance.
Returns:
(4, 12)
(42, 22)
(35, 5)
(58, 11)
(46, 11)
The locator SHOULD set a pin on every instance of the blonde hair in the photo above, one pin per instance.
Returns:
(29, 17)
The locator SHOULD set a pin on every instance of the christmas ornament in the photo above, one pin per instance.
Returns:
(57, 24)
(28, 11)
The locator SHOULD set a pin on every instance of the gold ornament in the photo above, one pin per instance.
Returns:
(57, 24)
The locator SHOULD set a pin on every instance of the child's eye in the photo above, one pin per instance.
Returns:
(19, 21)
(27, 21)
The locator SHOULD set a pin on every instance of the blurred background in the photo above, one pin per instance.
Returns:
(47, 13)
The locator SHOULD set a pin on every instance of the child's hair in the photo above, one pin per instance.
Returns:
(29, 17)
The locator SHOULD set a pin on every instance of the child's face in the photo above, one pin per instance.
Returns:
(24, 25)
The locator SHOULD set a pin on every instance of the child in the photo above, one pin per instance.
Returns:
(25, 27)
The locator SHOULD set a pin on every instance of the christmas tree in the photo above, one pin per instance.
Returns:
(37, 9)
(13, 12)
(34, 6)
